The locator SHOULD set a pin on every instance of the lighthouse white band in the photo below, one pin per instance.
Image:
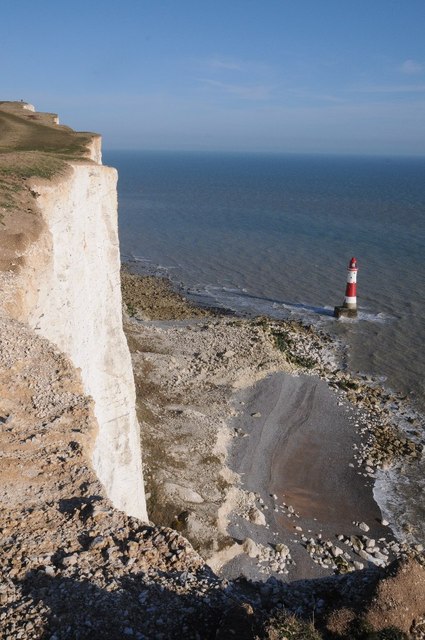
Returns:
(352, 276)
(350, 299)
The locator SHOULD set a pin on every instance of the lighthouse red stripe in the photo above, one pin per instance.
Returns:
(350, 291)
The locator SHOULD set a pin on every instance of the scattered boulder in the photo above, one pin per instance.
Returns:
(282, 550)
(256, 516)
(251, 548)
(185, 494)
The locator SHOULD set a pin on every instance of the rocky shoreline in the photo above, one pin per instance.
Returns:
(197, 367)
(188, 372)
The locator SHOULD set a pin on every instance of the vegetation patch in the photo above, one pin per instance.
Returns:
(131, 310)
(288, 627)
(29, 165)
(347, 384)
(287, 345)
(22, 132)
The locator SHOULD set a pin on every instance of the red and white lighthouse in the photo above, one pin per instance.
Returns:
(350, 300)
(349, 308)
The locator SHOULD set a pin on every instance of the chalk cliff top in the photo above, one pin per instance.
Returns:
(24, 129)
(32, 146)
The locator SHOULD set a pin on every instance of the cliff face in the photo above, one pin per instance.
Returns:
(63, 279)
(78, 307)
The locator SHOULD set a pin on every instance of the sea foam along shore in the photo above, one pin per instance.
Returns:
(216, 393)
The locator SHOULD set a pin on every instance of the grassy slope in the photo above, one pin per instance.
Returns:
(32, 145)
(23, 130)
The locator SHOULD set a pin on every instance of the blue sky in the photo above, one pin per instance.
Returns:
(320, 76)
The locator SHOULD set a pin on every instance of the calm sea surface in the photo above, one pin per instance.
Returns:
(273, 235)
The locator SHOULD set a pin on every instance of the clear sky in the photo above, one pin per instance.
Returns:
(339, 76)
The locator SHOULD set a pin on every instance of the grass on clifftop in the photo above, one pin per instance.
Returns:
(27, 165)
(25, 130)
(32, 145)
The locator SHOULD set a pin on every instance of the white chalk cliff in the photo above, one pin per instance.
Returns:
(67, 288)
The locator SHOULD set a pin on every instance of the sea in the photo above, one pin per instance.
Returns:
(270, 234)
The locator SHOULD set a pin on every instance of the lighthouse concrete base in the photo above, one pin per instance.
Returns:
(344, 312)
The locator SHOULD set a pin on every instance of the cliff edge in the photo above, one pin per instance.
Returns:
(60, 274)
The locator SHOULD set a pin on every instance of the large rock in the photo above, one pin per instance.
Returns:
(256, 516)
